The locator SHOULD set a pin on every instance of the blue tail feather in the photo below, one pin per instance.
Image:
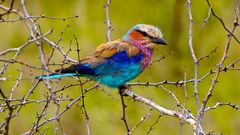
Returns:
(73, 70)
(56, 76)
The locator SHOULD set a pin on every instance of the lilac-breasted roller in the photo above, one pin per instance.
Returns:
(117, 62)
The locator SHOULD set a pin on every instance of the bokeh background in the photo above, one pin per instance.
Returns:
(105, 110)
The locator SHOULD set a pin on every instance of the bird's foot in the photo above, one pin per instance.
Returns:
(122, 89)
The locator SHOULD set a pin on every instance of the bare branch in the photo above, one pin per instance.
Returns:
(9, 116)
(108, 22)
(153, 125)
(218, 70)
(190, 45)
(207, 18)
(143, 118)
(124, 117)
(162, 110)
(207, 56)
(220, 104)
(222, 22)
(16, 84)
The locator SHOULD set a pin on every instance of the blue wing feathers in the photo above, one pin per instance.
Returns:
(117, 62)
(85, 69)
(123, 57)
(118, 69)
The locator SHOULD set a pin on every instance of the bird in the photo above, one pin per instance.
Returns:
(117, 62)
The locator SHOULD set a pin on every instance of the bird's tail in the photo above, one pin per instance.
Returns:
(55, 76)
(73, 70)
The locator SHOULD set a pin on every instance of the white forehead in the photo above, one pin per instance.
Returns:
(150, 30)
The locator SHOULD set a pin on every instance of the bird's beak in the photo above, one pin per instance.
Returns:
(160, 41)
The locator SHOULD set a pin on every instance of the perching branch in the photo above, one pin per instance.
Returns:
(163, 111)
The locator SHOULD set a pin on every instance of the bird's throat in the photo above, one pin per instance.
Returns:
(147, 54)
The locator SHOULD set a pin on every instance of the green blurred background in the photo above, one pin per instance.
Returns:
(104, 110)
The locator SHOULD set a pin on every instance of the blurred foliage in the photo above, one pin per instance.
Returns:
(105, 111)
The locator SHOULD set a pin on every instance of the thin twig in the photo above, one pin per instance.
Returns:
(9, 115)
(222, 22)
(124, 117)
(190, 45)
(153, 125)
(143, 118)
(220, 104)
(73, 102)
(207, 18)
(207, 56)
(108, 22)
(16, 84)
(8, 11)
(185, 86)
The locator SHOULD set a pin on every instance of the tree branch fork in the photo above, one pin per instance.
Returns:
(186, 117)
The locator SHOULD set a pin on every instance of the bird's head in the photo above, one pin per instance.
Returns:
(145, 35)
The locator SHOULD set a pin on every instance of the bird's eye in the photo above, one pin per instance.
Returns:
(142, 32)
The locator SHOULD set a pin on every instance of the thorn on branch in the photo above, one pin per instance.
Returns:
(207, 56)
(225, 69)
(235, 24)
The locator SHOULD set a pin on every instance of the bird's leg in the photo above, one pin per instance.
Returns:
(122, 89)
